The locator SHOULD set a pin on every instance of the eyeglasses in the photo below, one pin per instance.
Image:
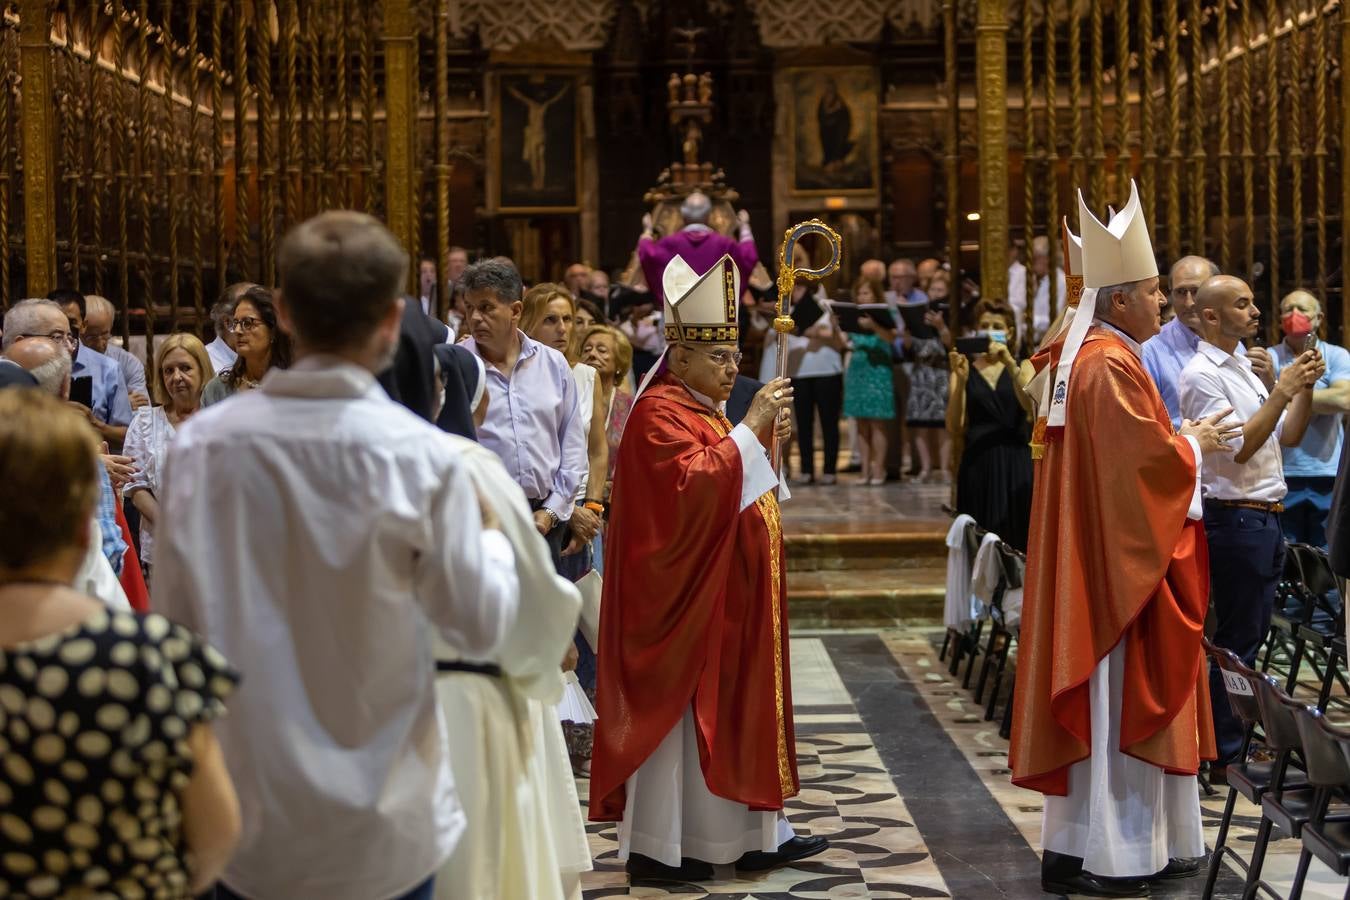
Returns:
(723, 358)
(56, 337)
(247, 323)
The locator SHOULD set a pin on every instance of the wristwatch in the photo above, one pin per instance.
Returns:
(552, 516)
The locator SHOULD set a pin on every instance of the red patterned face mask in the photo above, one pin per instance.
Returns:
(1296, 324)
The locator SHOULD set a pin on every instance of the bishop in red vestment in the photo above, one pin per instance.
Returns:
(1111, 713)
(694, 751)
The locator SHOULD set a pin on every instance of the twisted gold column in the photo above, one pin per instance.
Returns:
(38, 146)
(991, 73)
(400, 60)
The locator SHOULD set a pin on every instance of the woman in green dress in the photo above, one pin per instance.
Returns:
(869, 394)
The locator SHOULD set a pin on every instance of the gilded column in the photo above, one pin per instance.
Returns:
(400, 56)
(38, 147)
(991, 84)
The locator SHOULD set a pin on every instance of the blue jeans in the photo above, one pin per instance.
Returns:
(424, 891)
(1246, 560)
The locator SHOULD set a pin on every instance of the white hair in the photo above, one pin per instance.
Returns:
(93, 302)
(25, 317)
(1104, 295)
(696, 208)
(51, 376)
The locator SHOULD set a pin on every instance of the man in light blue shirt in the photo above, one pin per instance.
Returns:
(111, 409)
(1310, 468)
(534, 420)
(1167, 353)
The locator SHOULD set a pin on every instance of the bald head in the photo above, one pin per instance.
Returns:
(98, 322)
(1188, 273)
(1227, 311)
(927, 269)
(873, 270)
(46, 361)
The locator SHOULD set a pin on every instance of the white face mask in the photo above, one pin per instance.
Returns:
(998, 336)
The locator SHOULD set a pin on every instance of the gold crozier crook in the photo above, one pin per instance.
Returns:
(787, 279)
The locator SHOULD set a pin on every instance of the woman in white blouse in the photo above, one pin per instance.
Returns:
(182, 368)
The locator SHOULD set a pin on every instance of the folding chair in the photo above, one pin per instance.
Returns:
(1326, 752)
(1286, 802)
(1246, 779)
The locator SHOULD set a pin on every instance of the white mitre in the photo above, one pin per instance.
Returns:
(1118, 253)
(702, 308)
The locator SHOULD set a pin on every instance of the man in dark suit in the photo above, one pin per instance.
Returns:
(412, 379)
(742, 392)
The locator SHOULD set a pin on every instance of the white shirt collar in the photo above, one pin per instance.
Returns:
(1219, 356)
(320, 376)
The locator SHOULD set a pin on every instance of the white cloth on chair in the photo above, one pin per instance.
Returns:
(670, 813)
(1123, 817)
(985, 573)
(956, 609)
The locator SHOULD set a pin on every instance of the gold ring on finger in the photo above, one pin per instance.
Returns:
(778, 395)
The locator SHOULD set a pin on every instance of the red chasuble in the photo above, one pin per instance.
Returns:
(1112, 557)
(695, 611)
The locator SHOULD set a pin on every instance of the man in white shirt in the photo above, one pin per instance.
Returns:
(1041, 304)
(313, 530)
(1242, 492)
(221, 350)
(97, 336)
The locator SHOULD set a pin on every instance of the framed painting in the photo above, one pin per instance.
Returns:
(537, 139)
(833, 130)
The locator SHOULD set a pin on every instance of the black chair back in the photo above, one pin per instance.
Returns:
(1239, 680)
(1277, 718)
(1326, 762)
(1013, 563)
(1311, 567)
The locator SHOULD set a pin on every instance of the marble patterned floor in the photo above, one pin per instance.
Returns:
(900, 771)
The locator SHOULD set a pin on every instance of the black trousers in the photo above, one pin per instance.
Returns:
(823, 394)
(1246, 560)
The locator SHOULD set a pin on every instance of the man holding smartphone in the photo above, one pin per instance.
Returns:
(1243, 492)
(1310, 468)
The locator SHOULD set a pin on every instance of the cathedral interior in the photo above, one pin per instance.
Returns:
(153, 150)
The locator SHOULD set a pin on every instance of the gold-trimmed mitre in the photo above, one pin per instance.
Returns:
(702, 308)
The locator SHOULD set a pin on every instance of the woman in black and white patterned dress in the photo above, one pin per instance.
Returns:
(111, 780)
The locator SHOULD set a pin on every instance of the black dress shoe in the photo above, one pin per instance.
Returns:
(1085, 884)
(1179, 868)
(643, 869)
(788, 851)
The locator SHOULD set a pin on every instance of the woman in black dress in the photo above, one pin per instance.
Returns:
(989, 418)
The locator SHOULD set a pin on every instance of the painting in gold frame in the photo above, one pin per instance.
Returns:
(833, 130)
(537, 143)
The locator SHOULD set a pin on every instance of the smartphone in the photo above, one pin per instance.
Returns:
(1310, 342)
(973, 346)
(82, 390)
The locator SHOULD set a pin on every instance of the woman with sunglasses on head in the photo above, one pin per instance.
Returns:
(258, 341)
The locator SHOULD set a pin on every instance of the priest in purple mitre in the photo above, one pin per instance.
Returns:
(697, 243)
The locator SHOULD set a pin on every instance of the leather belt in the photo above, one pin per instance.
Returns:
(1261, 505)
(477, 668)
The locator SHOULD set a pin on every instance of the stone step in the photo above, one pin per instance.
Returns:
(875, 597)
(879, 549)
